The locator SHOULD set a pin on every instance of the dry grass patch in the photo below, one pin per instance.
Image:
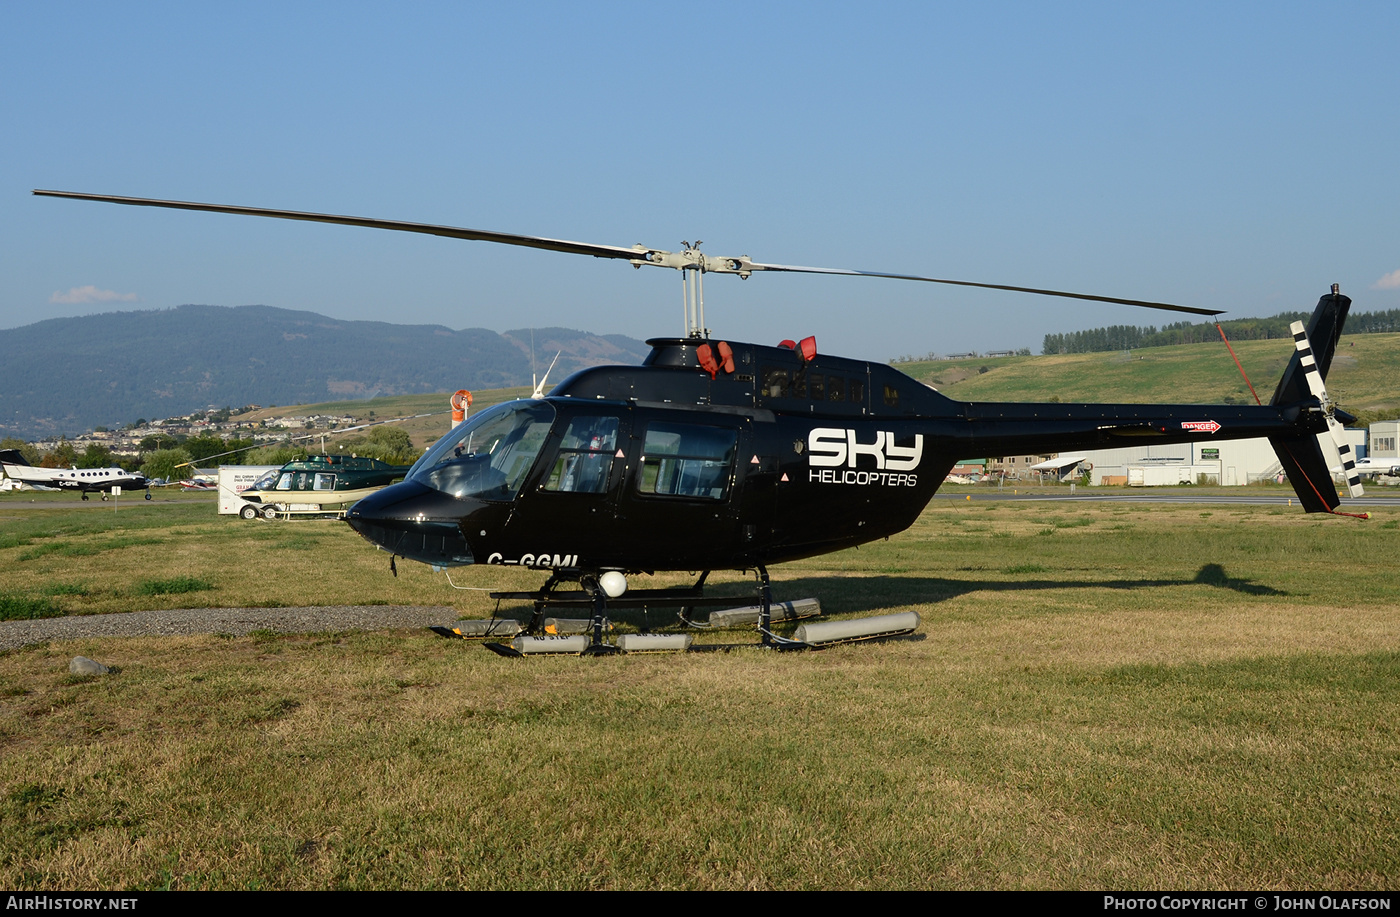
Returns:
(1145, 699)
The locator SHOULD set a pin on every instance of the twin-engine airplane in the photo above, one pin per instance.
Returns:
(84, 480)
(715, 454)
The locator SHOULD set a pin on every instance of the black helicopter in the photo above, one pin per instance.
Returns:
(716, 454)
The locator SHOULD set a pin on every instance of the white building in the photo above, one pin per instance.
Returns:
(1384, 438)
(1227, 462)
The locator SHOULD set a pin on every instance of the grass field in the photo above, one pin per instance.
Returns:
(1099, 696)
(1362, 378)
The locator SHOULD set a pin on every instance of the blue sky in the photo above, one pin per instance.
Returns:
(1236, 156)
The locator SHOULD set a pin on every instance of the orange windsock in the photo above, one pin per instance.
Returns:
(460, 402)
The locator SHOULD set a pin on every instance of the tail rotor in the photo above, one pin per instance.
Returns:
(1329, 408)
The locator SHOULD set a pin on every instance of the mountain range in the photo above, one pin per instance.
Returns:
(67, 375)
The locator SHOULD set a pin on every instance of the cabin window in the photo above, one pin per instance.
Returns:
(775, 382)
(835, 388)
(687, 460)
(585, 456)
(324, 482)
(891, 396)
(857, 391)
(818, 392)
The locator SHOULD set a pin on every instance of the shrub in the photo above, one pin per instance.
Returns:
(26, 607)
(173, 586)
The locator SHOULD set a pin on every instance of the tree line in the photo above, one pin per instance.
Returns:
(1132, 337)
(173, 457)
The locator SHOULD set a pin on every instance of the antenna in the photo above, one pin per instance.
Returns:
(539, 389)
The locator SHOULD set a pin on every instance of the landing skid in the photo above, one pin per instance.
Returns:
(537, 638)
(502, 649)
(590, 595)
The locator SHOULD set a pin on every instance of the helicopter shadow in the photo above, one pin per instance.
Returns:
(864, 594)
(846, 595)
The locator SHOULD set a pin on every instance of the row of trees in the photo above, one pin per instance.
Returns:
(1131, 337)
(174, 457)
(386, 443)
(158, 458)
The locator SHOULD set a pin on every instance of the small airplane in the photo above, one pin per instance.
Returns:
(1378, 467)
(716, 454)
(83, 480)
(325, 481)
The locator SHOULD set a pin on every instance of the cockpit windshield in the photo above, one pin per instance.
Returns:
(489, 456)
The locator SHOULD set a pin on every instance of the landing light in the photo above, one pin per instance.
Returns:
(613, 583)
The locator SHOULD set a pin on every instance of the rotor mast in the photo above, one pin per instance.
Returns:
(693, 265)
(693, 293)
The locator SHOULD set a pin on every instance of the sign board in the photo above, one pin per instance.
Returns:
(233, 480)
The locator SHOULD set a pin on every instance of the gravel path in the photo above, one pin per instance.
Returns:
(180, 621)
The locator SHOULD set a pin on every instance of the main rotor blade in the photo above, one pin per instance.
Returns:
(637, 255)
(795, 269)
(452, 232)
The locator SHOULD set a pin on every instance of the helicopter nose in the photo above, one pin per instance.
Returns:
(415, 522)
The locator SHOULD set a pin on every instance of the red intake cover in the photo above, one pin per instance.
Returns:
(726, 356)
(706, 357)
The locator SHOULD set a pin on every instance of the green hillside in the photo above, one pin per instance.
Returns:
(424, 431)
(1365, 376)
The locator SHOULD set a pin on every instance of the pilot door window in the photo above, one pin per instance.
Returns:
(687, 460)
(489, 456)
(585, 457)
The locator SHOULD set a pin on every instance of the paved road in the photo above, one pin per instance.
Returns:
(1376, 496)
(10, 501)
(1175, 496)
